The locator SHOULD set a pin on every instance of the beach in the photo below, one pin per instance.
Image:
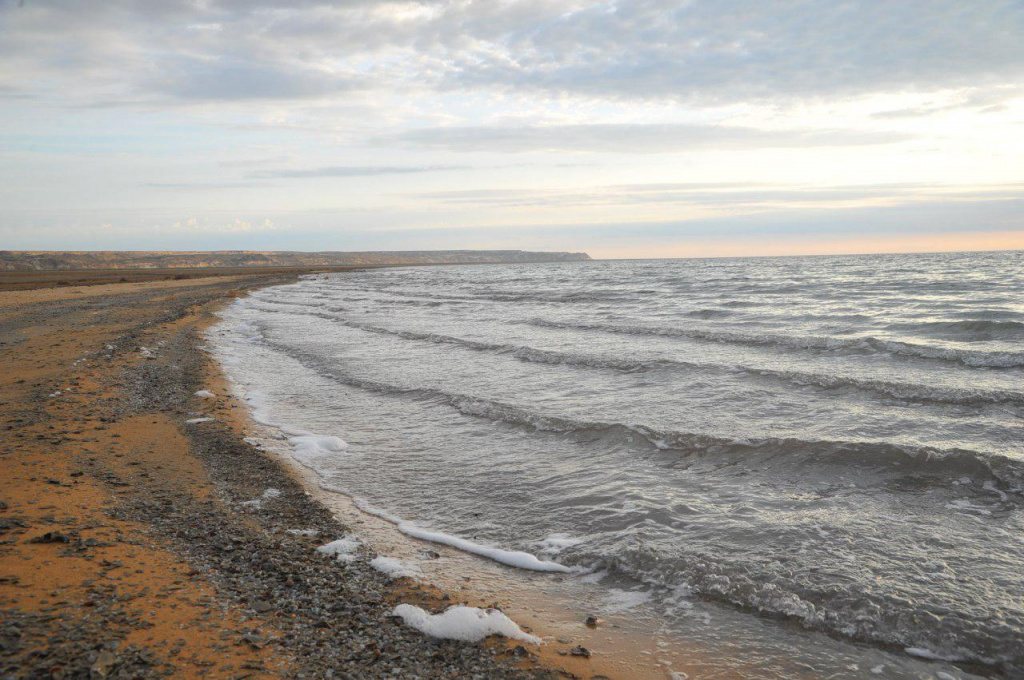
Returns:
(138, 544)
(309, 474)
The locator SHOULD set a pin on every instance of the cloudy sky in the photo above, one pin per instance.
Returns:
(626, 129)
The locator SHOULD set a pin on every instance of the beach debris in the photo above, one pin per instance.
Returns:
(459, 622)
(343, 550)
(591, 622)
(393, 568)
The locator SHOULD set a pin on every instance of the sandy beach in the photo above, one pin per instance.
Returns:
(136, 544)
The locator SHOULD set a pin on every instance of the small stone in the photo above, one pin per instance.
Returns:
(50, 537)
(104, 662)
(579, 650)
(591, 622)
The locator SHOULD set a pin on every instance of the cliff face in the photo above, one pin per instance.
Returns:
(29, 260)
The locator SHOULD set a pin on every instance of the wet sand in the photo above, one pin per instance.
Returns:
(35, 279)
(129, 546)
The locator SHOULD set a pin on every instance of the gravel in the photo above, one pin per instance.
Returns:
(329, 619)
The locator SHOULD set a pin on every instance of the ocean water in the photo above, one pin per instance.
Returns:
(822, 456)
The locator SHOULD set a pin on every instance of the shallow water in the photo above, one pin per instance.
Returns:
(821, 456)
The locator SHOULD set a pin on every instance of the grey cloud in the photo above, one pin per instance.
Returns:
(240, 79)
(354, 171)
(702, 51)
(198, 186)
(730, 50)
(626, 138)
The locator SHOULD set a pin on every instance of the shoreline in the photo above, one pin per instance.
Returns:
(542, 603)
(129, 543)
(553, 605)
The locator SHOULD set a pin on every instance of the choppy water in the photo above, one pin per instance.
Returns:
(830, 445)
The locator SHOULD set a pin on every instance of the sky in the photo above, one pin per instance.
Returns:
(623, 129)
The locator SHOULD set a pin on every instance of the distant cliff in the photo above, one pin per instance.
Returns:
(38, 260)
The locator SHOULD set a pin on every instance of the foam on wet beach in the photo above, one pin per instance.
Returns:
(469, 624)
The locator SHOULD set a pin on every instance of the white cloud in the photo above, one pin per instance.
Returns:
(634, 139)
(236, 225)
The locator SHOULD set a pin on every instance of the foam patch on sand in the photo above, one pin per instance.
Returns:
(193, 421)
(469, 624)
(205, 394)
(344, 549)
(309, 447)
(393, 568)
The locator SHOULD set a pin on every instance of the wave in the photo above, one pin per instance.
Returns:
(1006, 473)
(968, 329)
(489, 295)
(521, 352)
(708, 314)
(889, 389)
(867, 344)
(867, 616)
(896, 390)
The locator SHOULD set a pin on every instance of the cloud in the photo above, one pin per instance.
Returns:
(230, 226)
(727, 196)
(981, 100)
(210, 186)
(630, 138)
(353, 171)
(239, 79)
(705, 52)
(741, 50)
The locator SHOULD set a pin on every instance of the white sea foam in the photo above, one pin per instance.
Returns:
(556, 543)
(512, 558)
(925, 653)
(309, 447)
(193, 421)
(205, 394)
(622, 600)
(469, 624)
(344, 549)
(967, 506)
(394, 568)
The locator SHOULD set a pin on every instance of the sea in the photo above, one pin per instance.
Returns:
(812, 458)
